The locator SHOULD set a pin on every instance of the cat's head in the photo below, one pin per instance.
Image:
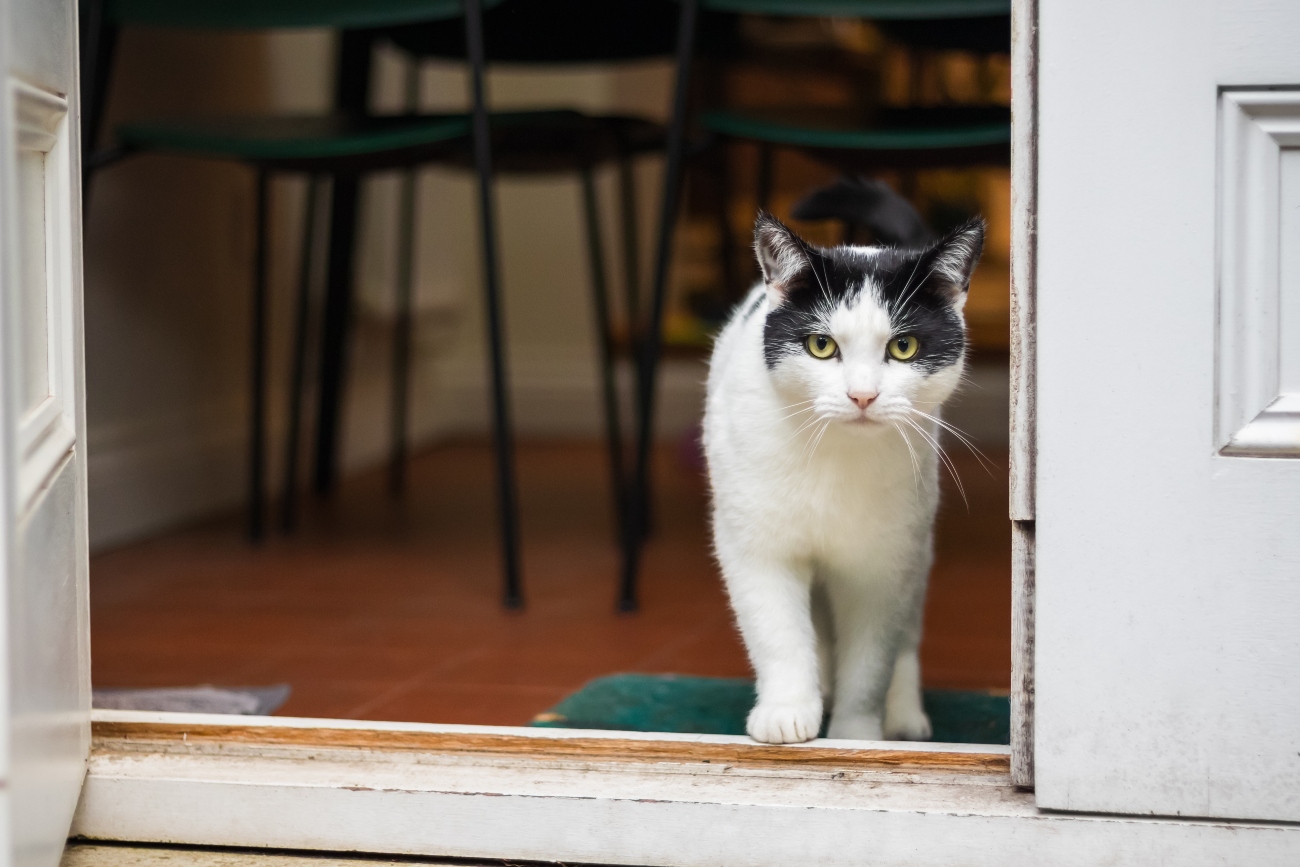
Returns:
(866, 335)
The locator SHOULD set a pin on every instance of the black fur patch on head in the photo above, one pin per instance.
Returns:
(918, 287)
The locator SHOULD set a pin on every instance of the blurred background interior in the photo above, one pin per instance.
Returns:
(385, 600)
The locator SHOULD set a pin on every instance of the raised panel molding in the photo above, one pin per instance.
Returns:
(1258, 364)
(44, 296)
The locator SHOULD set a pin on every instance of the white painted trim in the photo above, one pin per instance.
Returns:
(1024, 385)
(1274, 433)
(640, 813)
(46, 432)
(1258, 274)
(38, 116)
(1023, 586)
(1024, 258)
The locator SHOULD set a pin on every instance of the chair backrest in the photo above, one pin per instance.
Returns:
(883, 10)
(272, 14)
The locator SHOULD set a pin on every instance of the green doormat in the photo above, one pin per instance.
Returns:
(719, 705)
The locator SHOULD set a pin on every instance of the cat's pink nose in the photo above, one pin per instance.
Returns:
(863, 399)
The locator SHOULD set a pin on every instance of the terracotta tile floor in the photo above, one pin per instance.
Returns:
(380, 610)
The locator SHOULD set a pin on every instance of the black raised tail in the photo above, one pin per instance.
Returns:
(868, 203)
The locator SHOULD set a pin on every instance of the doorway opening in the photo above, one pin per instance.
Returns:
(388, 609)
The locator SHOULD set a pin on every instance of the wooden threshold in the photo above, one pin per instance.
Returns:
(419, 790)
(129, 735)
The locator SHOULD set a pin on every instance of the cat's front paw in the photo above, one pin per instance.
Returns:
(785, 722)
(908, 725)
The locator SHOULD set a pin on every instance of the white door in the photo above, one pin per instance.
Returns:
(44, 631)
(1168, 490)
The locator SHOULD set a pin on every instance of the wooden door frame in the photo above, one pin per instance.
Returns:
(1024, 267)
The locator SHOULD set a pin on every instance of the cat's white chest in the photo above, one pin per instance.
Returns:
(856, 506)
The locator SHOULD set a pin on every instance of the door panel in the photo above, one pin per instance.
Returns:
(1167, 659)
(44, 632)
(48, 711)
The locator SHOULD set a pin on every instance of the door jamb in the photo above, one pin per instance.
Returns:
(1024, 267)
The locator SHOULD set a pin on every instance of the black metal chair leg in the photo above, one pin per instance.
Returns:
(399, 422)
(257, 409)
(506, 495)
(654, 324)
(344, 202)
(289, 503)
(609, 386)
(402, 339)
(352, 90)
(635, 325)
(631, 251)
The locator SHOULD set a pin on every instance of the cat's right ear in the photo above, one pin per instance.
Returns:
(782, 256)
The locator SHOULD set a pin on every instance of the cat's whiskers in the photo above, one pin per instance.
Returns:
(825, 280)
(806, 424)
(893, 307)
(901, 321)
(911, 453)
(807, 405)
(943, 456)
(797, 412)
(918, 285)
(966, 379)
(826, 292)
(816, 439)
(961, 436)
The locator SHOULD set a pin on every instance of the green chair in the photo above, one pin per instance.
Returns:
(342, 147)
(903, 138)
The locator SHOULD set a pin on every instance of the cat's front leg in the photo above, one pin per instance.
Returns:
(864, 656)
(905, 716)
(771, 601)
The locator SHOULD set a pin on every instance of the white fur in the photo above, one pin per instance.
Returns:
(823, 521)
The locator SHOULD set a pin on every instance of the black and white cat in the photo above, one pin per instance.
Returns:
(821, 429)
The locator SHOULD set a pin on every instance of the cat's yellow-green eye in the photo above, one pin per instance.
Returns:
(904, 347)
(821, 346)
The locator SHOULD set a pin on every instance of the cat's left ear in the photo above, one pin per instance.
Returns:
(951, 260)
(782, 256)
